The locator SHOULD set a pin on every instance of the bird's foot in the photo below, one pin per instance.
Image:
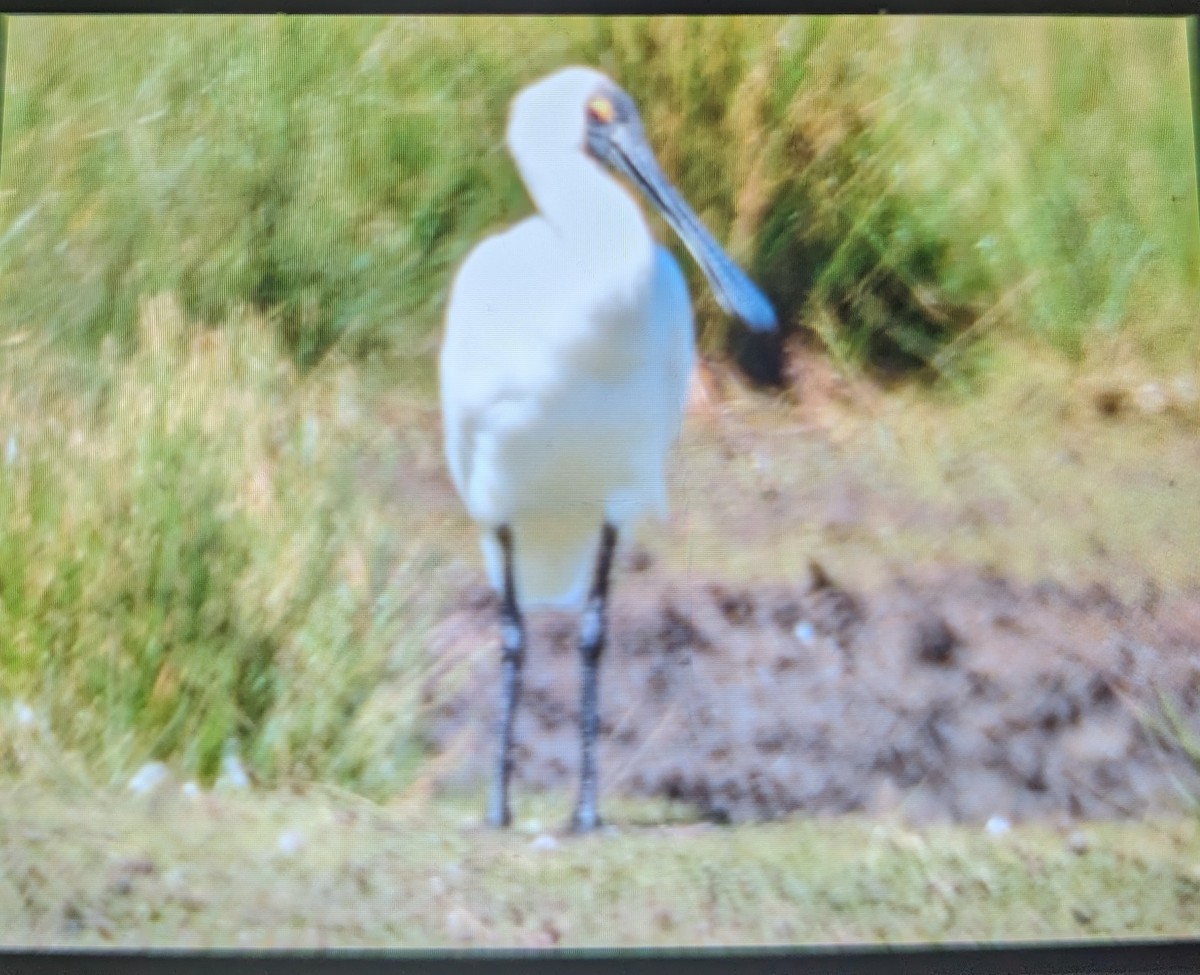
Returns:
(585, 820)
(498, 816)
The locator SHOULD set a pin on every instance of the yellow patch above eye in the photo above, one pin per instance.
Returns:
(601, 109)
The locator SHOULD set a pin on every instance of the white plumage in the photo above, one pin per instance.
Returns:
(567, 354)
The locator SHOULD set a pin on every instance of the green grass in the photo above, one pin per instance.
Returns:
(188, 555)
(417, 876)
(892, 182)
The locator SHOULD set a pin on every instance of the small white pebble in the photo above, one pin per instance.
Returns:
(233, 773)
(1183, 389)
(1077, 843)
(1150, 398)
(10, 450)
(998, 826)
(309, 447)
(544, 842)
(148, 778)
(459, 924)
(191, 790)
(290, 841)
(805, 633)
(24, 714)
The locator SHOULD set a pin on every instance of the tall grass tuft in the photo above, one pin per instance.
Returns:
(181, 530)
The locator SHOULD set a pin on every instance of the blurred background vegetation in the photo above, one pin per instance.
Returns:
(226, 244)
(891, 182)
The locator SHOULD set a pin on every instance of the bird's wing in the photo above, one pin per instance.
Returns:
(490, 354)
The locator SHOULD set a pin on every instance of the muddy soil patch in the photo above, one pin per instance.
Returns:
(947, 696)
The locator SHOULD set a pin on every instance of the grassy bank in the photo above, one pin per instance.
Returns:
(320, 871)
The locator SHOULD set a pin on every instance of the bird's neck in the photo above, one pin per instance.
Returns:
(594, 216)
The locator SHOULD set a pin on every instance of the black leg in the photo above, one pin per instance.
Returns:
(591, 647)
(512, 643)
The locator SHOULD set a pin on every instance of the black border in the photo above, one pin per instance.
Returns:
(4, 75)
(1109, 8)
(1179, 957)
(1162, 957)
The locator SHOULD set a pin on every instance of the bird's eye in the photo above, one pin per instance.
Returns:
(600, 110)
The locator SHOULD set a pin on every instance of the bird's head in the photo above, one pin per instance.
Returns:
(580, 110)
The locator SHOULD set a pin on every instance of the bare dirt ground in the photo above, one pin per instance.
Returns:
(951, 695)
(999, 618)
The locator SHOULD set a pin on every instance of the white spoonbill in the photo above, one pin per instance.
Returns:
(564, 369)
